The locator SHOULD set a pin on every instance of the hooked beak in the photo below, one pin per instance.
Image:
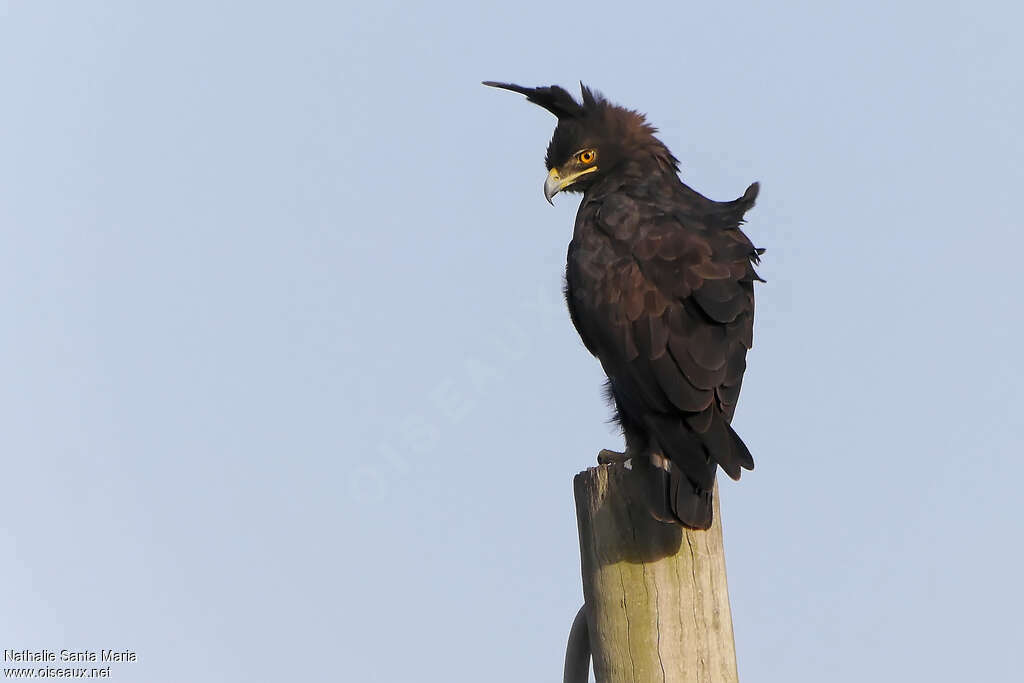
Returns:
(556, 182)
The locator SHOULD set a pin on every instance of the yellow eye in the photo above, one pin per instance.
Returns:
(587, 156)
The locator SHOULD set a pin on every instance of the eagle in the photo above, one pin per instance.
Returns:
(659, 283)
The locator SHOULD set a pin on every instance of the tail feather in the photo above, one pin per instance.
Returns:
(695, 459)
(684, 448)
(690, 505)
(740, 451)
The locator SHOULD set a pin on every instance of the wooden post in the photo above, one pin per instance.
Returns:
(657, 602)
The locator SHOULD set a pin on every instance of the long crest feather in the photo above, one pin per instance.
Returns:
(591, 99)
(555, 99)
(593, 117)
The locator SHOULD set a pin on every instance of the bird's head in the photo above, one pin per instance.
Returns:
(592, 139)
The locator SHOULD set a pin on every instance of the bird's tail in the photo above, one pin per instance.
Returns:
(687, 484)
(691, 505)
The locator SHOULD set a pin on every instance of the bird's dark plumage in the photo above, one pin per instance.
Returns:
(659, 284)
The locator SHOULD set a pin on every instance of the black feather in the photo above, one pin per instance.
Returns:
(555, 99)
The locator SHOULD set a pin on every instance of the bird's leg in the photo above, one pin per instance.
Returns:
(656, 479)
(636, 443)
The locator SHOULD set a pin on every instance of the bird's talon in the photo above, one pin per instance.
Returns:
(607, 457)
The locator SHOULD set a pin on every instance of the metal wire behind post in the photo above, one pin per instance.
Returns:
(577, 651)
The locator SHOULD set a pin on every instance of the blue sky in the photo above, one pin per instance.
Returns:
(288, 392)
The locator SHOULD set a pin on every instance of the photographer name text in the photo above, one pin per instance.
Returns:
(69, 656)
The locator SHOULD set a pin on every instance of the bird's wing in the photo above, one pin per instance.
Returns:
(672, 319)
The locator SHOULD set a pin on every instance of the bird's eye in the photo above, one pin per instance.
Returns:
(587, 156)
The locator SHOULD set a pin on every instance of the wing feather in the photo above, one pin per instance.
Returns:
(666, 302)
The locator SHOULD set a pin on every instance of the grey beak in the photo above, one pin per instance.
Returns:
(552, 185)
